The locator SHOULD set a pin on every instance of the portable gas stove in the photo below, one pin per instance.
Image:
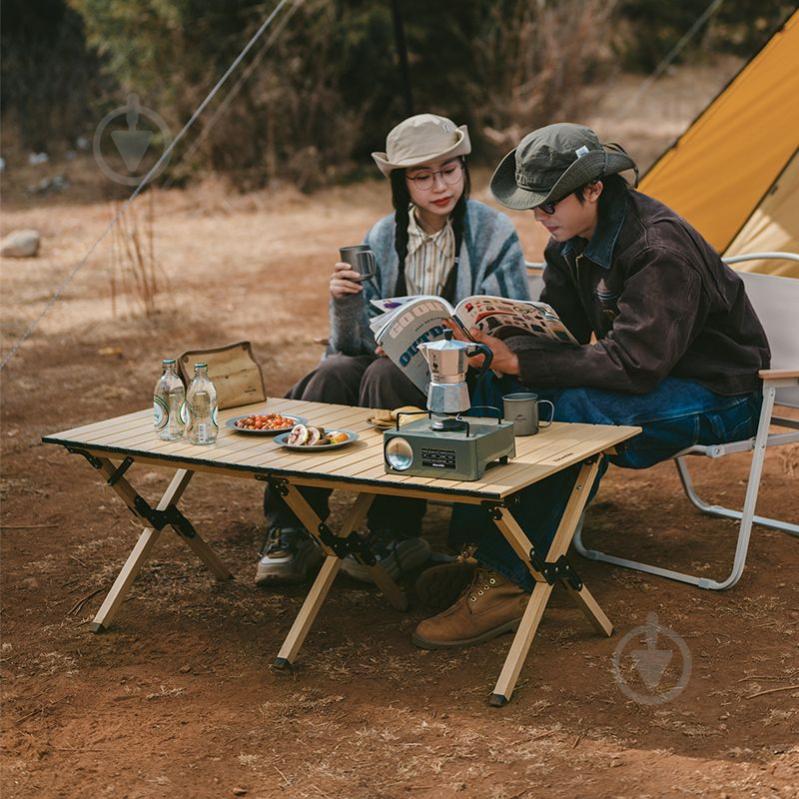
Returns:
(455, 448)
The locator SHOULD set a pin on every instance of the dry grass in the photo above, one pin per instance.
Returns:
(135, 275)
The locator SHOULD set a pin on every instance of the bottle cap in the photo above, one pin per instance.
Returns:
(201, 365)
(168, 361)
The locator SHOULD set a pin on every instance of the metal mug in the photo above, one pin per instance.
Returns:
(522, 409)
(361, 259)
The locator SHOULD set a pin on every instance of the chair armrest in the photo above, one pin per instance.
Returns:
(777, 374)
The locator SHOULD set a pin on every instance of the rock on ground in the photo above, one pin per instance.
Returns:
(21, 244)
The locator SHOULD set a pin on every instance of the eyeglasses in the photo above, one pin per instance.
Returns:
(549, 208)
(450, 174)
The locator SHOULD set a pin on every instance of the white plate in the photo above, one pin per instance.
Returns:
(282, 439)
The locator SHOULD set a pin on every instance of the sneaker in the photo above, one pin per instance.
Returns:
(439, 586)
(289, 556)
(490, 606)
(397, 557)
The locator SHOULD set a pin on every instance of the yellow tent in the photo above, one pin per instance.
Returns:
(734, 174)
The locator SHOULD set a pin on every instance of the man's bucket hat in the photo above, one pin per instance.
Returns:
(552, 162)
(422, 138)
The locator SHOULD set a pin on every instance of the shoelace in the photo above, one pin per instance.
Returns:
(383, 543)
(483, 581)
(278, 539)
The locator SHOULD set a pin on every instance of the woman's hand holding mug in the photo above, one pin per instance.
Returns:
(356, 265)
(344, 281)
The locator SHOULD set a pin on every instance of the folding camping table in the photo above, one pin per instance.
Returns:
(114, 445)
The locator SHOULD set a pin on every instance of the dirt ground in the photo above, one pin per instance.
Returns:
(178, 699)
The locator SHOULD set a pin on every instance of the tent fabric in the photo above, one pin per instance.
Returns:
(718, 172)
(773, 227)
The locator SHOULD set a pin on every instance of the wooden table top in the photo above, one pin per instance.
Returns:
(358, 466)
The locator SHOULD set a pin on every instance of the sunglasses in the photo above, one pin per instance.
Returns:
(549, 208)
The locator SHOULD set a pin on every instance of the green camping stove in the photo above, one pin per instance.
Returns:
(459, 449)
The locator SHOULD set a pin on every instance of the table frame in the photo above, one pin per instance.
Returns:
(335, 546)
(547, 569)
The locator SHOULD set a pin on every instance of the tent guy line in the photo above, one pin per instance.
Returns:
(236, 88)
(153, 171)
(672, 54)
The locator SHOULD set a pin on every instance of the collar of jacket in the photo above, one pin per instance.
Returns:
(600, 249)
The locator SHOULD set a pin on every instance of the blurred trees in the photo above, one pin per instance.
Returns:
(49, 76)
(649, 29)
(320, 90)
(328, 89)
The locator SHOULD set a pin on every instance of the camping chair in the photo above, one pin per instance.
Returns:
(776, 301)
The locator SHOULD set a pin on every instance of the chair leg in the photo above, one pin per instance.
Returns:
(719, 510)
(747, 517)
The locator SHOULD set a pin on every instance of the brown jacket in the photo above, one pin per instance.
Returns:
(659, 300)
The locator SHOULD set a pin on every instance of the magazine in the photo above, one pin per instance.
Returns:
(403, 323)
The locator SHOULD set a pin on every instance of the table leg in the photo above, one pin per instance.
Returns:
(542, 591)
(147, 540)
(308, 613)
(119, 591)
(396, 597)
(590, 607)
(327, 574)
(181, 525)
(522, 642)
(303, 511)
(200, 547)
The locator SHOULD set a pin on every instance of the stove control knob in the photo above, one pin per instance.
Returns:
(398, 454)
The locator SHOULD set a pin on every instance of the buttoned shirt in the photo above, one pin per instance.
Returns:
(430, 257)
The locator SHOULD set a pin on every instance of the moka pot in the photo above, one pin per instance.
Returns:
(448, 361)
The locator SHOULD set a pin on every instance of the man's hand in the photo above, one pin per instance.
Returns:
(344, 281)
(504, 361)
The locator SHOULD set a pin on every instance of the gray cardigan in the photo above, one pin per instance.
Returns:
(491, 262)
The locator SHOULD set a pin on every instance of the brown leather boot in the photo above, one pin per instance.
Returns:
(439, 586)
(492, 605)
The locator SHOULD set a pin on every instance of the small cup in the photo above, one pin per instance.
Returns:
(522, 409)
(361, 258)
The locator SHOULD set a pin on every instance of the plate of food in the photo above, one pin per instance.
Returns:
(264, 424)
(311, 438)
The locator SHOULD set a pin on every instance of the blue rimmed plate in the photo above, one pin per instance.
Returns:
(282, 439)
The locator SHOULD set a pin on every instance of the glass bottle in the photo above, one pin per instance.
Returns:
(168, 403)
(201, 422)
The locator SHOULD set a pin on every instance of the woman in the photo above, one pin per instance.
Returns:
(437, 241)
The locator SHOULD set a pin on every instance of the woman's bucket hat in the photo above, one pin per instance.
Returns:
(422, 138)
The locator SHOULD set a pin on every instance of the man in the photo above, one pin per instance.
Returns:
(677, 347)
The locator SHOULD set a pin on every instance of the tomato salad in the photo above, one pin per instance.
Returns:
(270, 421)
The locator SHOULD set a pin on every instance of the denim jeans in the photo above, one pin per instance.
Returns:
(677, 414)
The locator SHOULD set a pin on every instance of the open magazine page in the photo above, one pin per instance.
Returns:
(387, 308)
(421, 319)
(500, 317)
